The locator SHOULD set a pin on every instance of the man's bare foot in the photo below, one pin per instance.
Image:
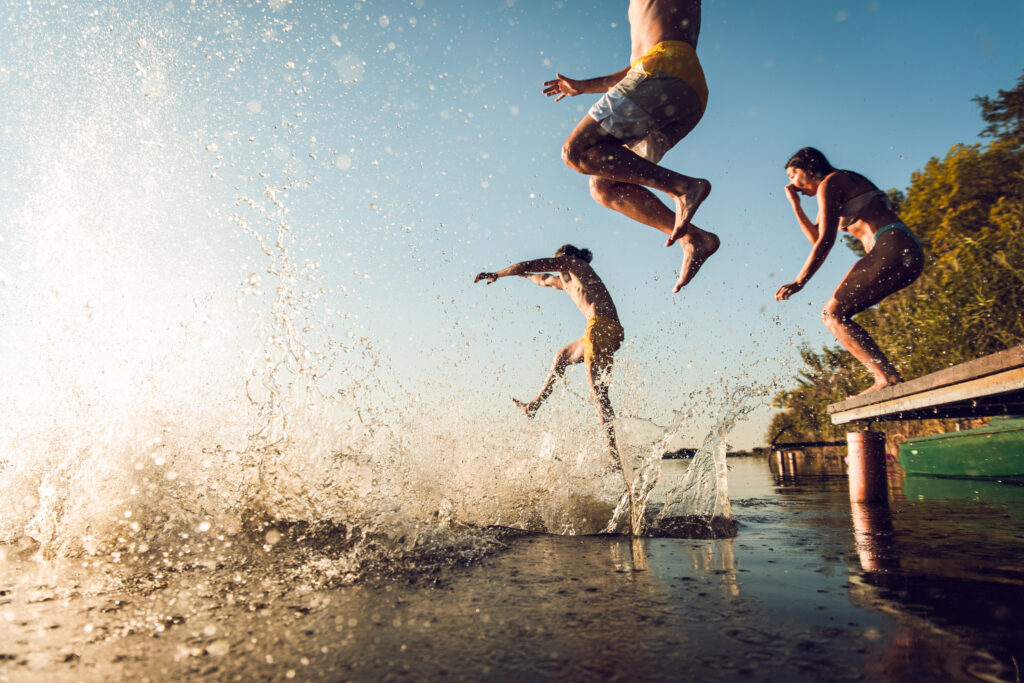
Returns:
(879, 384)
(696, 249)
(687, 205)
(525, 407)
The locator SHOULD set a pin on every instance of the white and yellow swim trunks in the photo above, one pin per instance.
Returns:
(601, 340)
(659, 101)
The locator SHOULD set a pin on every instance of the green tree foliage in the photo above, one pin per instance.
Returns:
(1005, 114)
(826, 377)
(968, 210)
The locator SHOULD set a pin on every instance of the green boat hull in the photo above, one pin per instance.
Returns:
(992, 452)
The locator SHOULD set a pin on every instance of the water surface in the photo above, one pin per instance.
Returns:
(925, 588)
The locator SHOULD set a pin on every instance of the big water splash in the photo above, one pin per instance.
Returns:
(185, 367)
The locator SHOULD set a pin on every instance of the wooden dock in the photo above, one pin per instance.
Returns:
(992, 385)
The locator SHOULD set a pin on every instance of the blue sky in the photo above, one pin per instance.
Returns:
(421, 151)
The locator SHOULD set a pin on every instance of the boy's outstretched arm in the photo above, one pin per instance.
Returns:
(541, 265)
(561, 86)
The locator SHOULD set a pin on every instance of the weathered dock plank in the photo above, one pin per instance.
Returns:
(991, 385)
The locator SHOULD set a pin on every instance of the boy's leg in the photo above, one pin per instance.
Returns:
(637, 202)
(567, 355)
(643, 206)
(649, 113)
(598, 376)
(591, 150)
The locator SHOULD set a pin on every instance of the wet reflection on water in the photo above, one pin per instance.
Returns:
(939, 558)
(927, 587)
(873, 535)
(796, 466)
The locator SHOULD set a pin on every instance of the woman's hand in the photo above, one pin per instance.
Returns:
(793, 194)
(786, 291)
(562, 87)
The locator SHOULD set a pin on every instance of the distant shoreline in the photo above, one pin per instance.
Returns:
(687, 453)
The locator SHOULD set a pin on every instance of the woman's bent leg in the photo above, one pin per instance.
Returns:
(892, 264)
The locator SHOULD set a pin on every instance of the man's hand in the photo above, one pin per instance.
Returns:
(786, 291)
(490, 277)
(562, 87)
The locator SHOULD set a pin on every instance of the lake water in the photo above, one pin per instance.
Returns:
(929, 587)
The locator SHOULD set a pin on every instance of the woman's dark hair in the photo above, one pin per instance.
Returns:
(811, 160)
(569, 250)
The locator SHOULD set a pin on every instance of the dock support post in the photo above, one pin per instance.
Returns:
(868, 483)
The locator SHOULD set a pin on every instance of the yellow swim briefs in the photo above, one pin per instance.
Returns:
(676, 58)
(601, 340)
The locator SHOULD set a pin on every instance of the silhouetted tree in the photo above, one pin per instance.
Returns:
(1005, 114)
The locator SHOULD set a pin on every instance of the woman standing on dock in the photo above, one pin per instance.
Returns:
(850, 202)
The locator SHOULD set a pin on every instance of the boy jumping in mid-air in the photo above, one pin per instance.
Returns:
(599, 343)
(645, 109)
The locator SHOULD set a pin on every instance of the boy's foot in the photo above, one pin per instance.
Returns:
(525, 407)
(696, 249)
(687, 205)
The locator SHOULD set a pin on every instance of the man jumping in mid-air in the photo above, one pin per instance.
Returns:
(599, 343)
(645, 110)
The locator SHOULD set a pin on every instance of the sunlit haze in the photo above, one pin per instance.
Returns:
(407, 146)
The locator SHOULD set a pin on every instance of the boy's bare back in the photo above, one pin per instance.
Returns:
(586, 289)
(655, 21)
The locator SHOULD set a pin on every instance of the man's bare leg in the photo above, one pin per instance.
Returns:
(566, 356)
(590, 150)
(643, 206)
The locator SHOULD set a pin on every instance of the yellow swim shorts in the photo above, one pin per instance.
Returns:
(601, 340)
(679, 59)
